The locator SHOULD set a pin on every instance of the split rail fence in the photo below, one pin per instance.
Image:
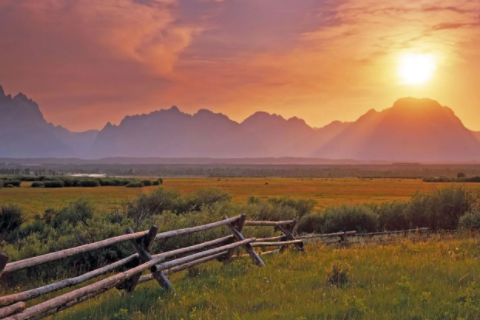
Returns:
(159, 265)
(13, 306)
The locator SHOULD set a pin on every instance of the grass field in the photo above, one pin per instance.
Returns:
(327, 192)
(430, 280)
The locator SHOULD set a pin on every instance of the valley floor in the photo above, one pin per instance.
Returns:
(327, 192)
(425, 280)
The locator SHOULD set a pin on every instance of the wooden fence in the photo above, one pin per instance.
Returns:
(159, 265)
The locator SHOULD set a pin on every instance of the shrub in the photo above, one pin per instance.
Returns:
(37, 184)
(441, 209)
(135, 184)
(302, 206)
(77, 212)
(461, 175)
(147, 205)
(14, 183)
(89, 183)
(311, 224)
(205, 197)
(155, 183)
(67, 182)
(9, 186)
(160, 181)
(470, 221)
(347, 218)
(10, 218)
(147, 183)
(36, 226)
(393, 216)
(111, 182)
(337, 274)
(54, 184)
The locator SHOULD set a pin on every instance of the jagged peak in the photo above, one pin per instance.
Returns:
(263, 115)
(109, 125)
(202, 113)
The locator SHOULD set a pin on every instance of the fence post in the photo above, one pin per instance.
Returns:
(289, 231)
(239, 224)
(248, 247)
(143, 246)
(3, 262)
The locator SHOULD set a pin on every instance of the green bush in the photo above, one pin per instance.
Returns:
(441, 209)
(147, 183)
(393, 216)
(470, 221)
(54, 184)
(77, 212)
(89, 183)
(311, 224)
(135, 184)
(10, 218)
(37, 184)
(347, 218)
(14, 183)
(301, 206)
(155, 183)
(205, 197)
(68, 182)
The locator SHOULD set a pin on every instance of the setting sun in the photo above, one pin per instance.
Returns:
(416, 68)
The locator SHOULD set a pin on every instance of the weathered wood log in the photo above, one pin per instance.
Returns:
(248, 247)
(288, 231)
(182, 267)
(392, 232)
(15, 308)
(32, 294)
(147, 241)
(271, 238)
(22, 264)
(239, 224)
(275, 244)
(268, 223)
(197, 247)
(69, 299)
(327, 235)
(180, 232)
(3, 262)
(145, 257)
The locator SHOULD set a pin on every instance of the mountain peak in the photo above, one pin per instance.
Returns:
(174, 109)
(409, 102)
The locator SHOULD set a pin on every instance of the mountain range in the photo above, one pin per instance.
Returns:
(412, 130)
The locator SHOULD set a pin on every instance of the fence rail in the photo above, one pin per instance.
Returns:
(159, 265)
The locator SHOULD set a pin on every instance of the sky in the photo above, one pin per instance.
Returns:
(89, 62)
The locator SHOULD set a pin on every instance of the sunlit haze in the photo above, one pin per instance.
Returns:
(91, 62)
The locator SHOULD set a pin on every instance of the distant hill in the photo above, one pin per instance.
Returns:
(172, 133)
(412, 130)
(24, 133)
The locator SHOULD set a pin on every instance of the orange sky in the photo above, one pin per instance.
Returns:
(88, 62)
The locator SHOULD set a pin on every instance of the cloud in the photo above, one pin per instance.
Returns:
(317, 59)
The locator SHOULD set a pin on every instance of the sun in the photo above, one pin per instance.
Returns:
(415, 68)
